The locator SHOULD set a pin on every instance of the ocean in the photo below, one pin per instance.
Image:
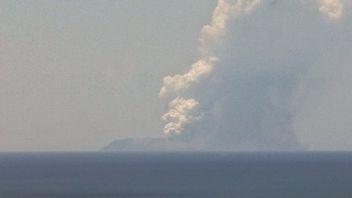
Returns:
(176, 175)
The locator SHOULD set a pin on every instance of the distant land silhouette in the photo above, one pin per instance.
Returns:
(150, 144)
(182, 144)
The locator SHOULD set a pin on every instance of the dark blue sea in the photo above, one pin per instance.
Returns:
(176, 175)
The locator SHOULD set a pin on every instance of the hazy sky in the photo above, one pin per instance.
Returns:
(75, 75)
(78, 74)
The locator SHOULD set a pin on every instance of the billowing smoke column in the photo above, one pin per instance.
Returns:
(281, 74)
(179, 108)
(178, 114)
(331, 8)
(210, 35)
(264, 69)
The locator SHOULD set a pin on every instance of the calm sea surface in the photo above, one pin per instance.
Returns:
(178, 175)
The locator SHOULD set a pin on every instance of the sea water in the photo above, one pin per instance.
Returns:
(177, 175)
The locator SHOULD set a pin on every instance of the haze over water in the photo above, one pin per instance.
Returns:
(178, 175)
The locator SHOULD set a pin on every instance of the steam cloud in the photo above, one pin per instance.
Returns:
(281, 79)
(210, 35)
(331, 8)
(280, 82)
(178, 114)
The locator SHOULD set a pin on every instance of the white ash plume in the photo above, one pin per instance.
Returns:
(331, 8)
(210, 35)
(178, 115)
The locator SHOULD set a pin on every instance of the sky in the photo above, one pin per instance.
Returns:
(76, 75)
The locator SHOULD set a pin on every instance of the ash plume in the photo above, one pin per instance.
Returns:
(210, 35)
(178, 114)
(331, 8)
(280, 75)
(258, 95)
